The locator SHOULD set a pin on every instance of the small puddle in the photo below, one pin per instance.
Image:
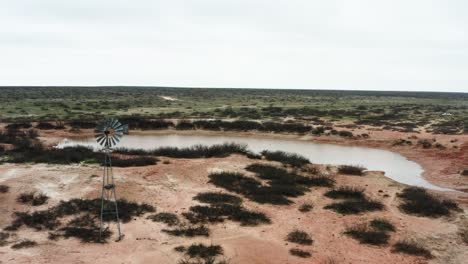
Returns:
(395, 166)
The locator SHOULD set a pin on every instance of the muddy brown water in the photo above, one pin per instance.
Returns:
(395, 166)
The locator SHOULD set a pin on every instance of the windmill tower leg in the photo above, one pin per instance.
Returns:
(109, 208)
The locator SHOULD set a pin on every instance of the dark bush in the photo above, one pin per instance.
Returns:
(345, 133)
(300, 253)
(382, 225)
(82, 124)
(142, 123)
(220, 212)
(202, 251)
(16, 126)
(367, 236)
(463, 233)
(292, 159)
(49, 219)
(3, 238)
(85, 228)
(252, 188)
(299, 237)
(345, 192)
(4, 188)
(419, 202)
(34, 199)
(133, 161)
(217, 198)
(351, 170)
(306, 207)
(411, 248)
(197, 151)
(24, 244)
(45, 126)
(355, 206)
(168, 218)
(184, 125)
(189, 231)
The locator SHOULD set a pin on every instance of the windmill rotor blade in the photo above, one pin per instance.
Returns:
(99, 137)
(113, 141)
(102, 141)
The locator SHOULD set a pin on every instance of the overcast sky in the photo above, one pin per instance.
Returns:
(310, 44)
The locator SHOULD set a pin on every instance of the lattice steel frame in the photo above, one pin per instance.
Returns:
(108, 134)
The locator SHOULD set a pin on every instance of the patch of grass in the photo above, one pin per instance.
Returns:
(299, 237)
(306, 207)
(24, 244)
(351, 170)
(32, 198)
(292, 159)
(411, 248)
(168, 218)
(189, 231)
(419, 202)
(300, 253)
(382, 225)
(365, 235)
(4, 188)
(355, 206)
(217, 198)
(346, 192)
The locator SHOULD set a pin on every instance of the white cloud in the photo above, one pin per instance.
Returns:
(368, 44)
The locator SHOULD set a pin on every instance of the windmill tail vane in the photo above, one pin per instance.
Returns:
(108, 134)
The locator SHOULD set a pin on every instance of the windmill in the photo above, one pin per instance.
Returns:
(108, 134)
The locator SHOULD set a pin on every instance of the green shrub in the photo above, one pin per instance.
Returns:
(411, 248)
(299, 237)
(419, 202)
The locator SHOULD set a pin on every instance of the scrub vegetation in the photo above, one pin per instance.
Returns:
(83, 225)
(73, 106)
(420, 202)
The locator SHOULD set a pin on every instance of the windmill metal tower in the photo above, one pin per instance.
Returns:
(108, 134)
